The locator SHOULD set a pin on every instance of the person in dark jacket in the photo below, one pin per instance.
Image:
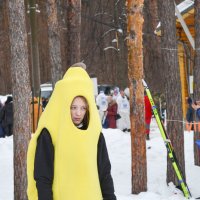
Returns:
(67, 155)
(6, 116)
(190, 115)
(1, 105)
(190, 111)
(2, 133)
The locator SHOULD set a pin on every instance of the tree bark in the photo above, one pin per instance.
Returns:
(197, 75)
(5, 77)
(43, 42)
(171, 70)
(73, 31)
(21, 94)
(34, 50)
(95, 14)
(54, 41)
(135, 73)
(151, 42)
(104, 18)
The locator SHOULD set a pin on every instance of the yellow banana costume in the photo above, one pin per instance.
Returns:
(75, 163)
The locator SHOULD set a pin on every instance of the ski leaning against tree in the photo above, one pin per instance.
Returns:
(170, 150)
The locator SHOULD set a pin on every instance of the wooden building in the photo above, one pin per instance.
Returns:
(185, 36)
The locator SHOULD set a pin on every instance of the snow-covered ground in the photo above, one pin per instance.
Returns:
(119, 148)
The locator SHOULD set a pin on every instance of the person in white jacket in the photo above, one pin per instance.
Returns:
(124, 111)
(102, 104)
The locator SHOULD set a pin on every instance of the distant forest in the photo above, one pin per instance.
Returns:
(103, 39)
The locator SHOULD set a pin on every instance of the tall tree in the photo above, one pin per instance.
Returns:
(5, 86)
(197, 73)
(169, 50)
(21, 94)
(43, 41)
(106, 18)
(73, 20)
(34, 49)
(135, 73)
(99, 16)
(178, 1)
(54, 41)
(151, 43)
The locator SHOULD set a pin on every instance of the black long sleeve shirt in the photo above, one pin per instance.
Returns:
(44, 168)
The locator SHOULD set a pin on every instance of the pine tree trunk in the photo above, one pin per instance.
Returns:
(5, 86)
(73, 31)
(34, 50)
(151, 43)
(104, 18)
(43, 42)
(135, 73)
(54, 41)
(196, 76)
(171, 70)
(21, 94)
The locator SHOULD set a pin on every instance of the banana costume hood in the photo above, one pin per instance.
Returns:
(75, 162)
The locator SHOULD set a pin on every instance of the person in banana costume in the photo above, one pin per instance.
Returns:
(67, 156)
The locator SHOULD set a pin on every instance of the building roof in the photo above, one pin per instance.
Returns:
(186, 8)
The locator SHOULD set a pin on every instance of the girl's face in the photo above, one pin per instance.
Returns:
(78, 110)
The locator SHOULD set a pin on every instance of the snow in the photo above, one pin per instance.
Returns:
(185, 5)
(6, 168)
(4, 98)
(119, 148)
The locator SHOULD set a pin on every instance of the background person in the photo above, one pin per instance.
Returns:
(35, 112)
(124, 111)
(6, 116)
(148, 115)
(196, 107)
(115, 93)
(111, 112)
(2, 133)
(102, 104)
(190, 114)
(1, 105)
(45, 101)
